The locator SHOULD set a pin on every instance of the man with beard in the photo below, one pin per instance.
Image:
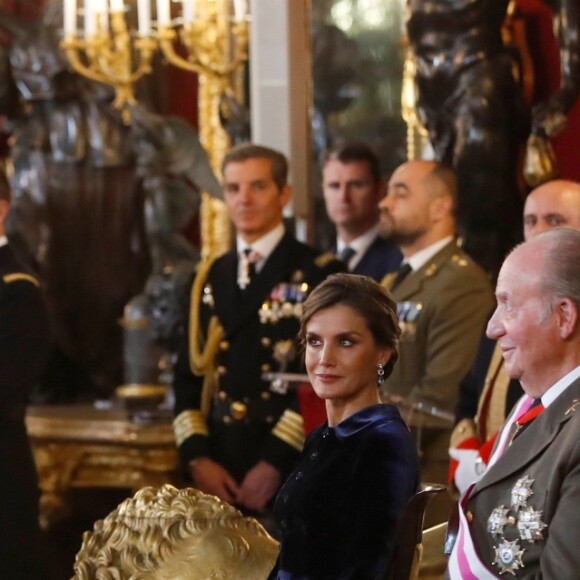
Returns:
(443, 298)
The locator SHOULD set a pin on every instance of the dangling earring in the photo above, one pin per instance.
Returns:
(380, 374)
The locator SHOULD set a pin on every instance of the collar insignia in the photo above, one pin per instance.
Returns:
(572, 408)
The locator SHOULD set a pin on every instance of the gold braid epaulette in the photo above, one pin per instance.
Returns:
(201, 358)
(8, 278)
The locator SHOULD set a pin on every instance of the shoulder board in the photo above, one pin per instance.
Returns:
(324, 259)
(17, 276)
(388, 280)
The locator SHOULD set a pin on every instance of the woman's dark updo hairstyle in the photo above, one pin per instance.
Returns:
(368, 299)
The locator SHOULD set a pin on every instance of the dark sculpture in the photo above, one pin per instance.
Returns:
(474, 110)
(98, 206)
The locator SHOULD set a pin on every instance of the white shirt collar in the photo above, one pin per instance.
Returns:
(264, 245)
(420, 258)
(560, 386)
(360, 245)
(3, 241)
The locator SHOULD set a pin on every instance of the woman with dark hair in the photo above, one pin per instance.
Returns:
(338, 510)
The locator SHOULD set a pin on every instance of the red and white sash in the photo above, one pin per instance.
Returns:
(464, 563)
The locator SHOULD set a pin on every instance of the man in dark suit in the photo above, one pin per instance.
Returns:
(353, 187)
(238, 436)
(487, 394)
(522, 517)
(24, 340)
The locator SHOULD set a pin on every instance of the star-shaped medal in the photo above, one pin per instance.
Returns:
(497, 521)
(508, 557)
(521, 491)
(530, 525)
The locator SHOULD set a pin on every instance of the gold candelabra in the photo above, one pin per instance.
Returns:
(217, 47)
(106, 52)
(214, 34)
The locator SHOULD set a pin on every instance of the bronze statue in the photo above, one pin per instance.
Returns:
(474, 110)
(172, 534)
(98, 206)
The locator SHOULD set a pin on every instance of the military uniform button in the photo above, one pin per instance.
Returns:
(266, 342)
(469, 516)
(266, 395)
(299, 475)
(238, 410)
(224, 345)
(221, 371)
(314, 455)
(265, 367)
(222, 396)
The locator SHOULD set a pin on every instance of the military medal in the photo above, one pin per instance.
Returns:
(530, 525)
(508, 557)
(207, 297)
(521, 491)
(498, 520)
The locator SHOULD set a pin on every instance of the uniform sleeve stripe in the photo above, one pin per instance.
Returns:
(290, 429)
(189, 423)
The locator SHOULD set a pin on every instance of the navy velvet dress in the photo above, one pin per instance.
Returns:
(337, 511)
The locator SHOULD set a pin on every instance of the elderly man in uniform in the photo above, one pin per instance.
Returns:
(444, 300)
(486, 393)
(24, 344)
(353, 186)
(238, 437)
(522, 517)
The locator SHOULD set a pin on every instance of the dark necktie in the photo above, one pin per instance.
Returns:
(522, 422)
(346, 255)
(402, 273)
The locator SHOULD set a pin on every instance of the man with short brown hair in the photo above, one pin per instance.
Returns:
(238, 437)
(353, 186)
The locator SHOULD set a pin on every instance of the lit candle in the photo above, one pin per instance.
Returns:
(90, 18)
(189, 11)
(144, 17)
(240, 9)
(117, 6)
(70, 18)
(163, 13)
(101, 14)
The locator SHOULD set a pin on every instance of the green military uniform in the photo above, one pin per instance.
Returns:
(442, 309)
(236, 419)
(527, 504)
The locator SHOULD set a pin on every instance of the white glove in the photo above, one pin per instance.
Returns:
(470, 469)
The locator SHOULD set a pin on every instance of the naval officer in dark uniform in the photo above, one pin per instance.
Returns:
(238, 437)
(24, 339)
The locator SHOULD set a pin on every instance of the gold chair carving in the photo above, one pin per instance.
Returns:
(167, 533)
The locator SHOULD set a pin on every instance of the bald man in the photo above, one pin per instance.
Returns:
(487, 394)
(443, 301)
(521, 519)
